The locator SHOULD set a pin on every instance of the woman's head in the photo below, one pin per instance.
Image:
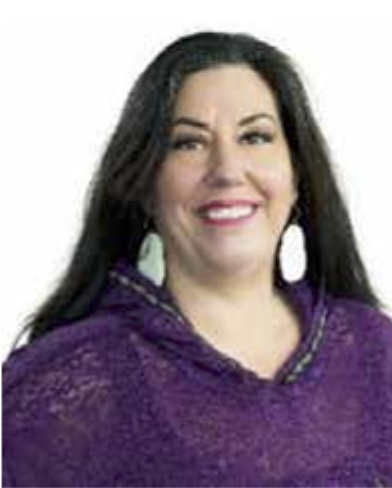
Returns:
(226, 187)
(118, 214)
(141, 141)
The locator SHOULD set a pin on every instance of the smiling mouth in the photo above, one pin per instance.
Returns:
(228, 215)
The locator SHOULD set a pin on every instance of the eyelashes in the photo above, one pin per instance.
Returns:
(186, 143)
(190, 143)
(257, 137)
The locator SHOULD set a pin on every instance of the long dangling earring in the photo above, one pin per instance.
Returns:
(292, 253)
(150, 261)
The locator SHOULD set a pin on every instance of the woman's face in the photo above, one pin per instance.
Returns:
(226, 187)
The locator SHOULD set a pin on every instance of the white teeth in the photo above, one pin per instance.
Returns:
(229, 212)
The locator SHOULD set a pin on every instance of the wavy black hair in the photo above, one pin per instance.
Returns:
(115, 221)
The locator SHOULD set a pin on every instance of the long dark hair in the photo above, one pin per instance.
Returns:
(115, 221)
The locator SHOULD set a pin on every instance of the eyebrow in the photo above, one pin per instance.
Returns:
(202, 125)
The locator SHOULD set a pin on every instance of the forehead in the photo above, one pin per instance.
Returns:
(227, 90)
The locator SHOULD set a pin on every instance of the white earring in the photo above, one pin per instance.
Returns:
(292, 255)
(150, 261)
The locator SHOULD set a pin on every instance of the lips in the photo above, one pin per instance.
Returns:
(227, 212)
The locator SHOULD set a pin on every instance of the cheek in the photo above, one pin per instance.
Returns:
(278, 182)
(175, 187)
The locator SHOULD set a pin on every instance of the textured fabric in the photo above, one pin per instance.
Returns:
(132, 395)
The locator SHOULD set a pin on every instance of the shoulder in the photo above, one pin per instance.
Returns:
(56, 391)
(70, 361)
(370, 333)
(363, 316)
(369, 327)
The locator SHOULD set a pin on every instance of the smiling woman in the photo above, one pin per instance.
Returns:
(225, 372)
(223, 195)
(230, 177)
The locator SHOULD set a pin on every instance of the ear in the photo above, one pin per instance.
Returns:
(294, 209)
(148, 205)
(295, 188)
(295, 197)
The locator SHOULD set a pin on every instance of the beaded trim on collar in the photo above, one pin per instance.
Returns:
(297, 369)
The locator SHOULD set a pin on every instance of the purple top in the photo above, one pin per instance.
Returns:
(132, 395)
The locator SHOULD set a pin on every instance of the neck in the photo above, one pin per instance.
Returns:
(229, 309)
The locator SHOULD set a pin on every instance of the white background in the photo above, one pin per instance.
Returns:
(66, 69)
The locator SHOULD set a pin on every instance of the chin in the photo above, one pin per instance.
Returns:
(238, 263)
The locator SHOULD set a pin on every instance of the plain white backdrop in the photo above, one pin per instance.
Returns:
(66, 69)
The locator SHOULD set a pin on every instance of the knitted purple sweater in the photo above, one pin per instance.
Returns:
(132, 395)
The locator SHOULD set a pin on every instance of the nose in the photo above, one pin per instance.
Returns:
(226, 166)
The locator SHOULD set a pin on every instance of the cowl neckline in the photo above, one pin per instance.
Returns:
(157, 317)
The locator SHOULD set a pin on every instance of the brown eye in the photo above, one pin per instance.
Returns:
(257, 137)
(186, 144)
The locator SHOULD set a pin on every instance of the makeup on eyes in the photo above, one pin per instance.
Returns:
(252, 135)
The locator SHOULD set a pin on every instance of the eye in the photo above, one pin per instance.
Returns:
(257, 137)
(186, 143)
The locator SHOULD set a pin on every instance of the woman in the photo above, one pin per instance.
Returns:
(225, 373)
